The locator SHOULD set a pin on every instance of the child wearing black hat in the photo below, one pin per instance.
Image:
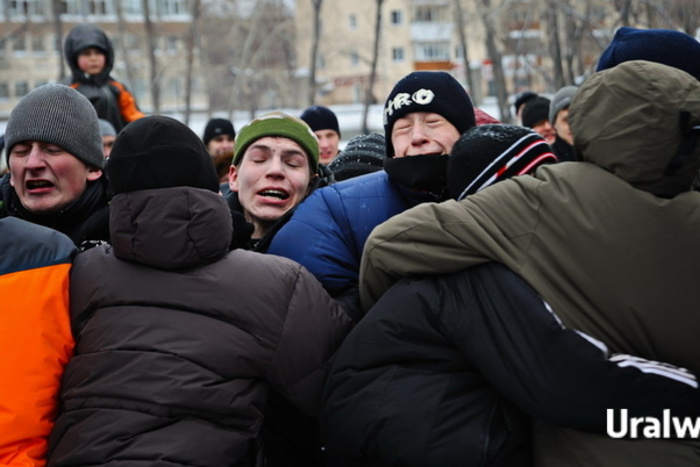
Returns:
(89, 53)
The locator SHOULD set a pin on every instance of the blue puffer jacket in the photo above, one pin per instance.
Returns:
(328, 230)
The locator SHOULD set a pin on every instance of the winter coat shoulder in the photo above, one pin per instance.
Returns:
(37, 342)
(179, 340)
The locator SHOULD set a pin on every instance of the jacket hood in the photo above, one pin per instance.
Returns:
(170, 228)
(88, 35)
(635, 120)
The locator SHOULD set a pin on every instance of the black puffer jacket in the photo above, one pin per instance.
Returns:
(444, 371)
(178, 340)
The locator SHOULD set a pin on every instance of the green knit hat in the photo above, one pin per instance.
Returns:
(277, 124)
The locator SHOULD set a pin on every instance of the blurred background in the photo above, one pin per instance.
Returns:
(194, 59)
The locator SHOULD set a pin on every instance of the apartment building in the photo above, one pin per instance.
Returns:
(415, 35)
(425, 35)
(31, 46)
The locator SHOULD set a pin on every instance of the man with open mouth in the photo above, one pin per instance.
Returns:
(274, 169)
(54, 153)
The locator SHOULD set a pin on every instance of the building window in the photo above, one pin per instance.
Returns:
(397, 54)
(19, 45)
(4, 91)
(173, 88)
(356, 93)
(132, 7)
(432, 51)
(354, 58)
(38, 46)
(430, 13)
(101, 7)
(71, 7)
(21, 88)
(353, 22)
(170, 44)
(320, 61)
(172, 8)
(26, 8)
(396, 17)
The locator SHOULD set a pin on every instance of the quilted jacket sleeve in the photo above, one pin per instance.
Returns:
(313, 329)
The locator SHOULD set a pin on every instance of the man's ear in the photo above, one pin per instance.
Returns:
(233, 178)
(312, 182)
(93, 174)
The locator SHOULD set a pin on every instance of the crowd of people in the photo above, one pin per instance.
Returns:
(455, 291)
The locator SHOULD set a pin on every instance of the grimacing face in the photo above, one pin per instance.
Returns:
(419, 133)
(272, 177)
(46, 177)
(328, 141)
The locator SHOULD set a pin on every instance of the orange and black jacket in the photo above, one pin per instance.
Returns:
(36, 338)
(111, 99)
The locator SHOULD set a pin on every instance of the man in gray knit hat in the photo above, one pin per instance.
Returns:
(54, 154)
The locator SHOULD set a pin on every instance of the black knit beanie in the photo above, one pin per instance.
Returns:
(490, 153)
(428, 91)
(216, 127)
(523, 98)
(363, 154)
(159, 152)
(535, 111)
(60, 115)
(320, 118)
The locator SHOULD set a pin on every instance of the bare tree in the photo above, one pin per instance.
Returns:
(314, 50)
(554, 45)
(369, 91)
(487, 15)
(152, 61)
(192, 40)
(465, 51)
(58, 35)
(121, 42)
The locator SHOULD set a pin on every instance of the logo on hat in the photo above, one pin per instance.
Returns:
(402, 99)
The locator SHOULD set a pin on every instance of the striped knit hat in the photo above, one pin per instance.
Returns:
(487, 154)
(60, 115)
(277, 124)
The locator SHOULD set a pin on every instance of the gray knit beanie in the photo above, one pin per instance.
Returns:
(60, 115)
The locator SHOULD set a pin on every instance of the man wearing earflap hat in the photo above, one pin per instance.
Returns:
(424, 115)
(54, 153)
(180, 339)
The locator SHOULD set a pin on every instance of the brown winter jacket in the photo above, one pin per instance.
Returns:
(611, 243)
(178, 340)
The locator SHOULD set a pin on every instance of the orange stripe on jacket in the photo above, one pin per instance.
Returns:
(35, 347)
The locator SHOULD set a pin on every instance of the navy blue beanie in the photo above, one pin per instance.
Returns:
(428, 91)
(664, 46)
(319, 118)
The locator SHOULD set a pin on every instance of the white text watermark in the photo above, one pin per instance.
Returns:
(621, 425)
